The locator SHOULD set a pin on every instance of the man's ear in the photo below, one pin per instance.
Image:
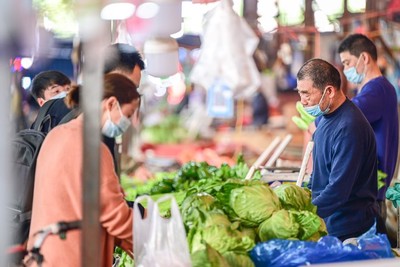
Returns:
(365, 57)
(40, 101)
(331, 91)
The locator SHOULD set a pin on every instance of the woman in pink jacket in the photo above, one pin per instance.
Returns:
(58, 181)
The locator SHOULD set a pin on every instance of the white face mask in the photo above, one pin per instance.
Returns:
(60, 95)
(112, 130)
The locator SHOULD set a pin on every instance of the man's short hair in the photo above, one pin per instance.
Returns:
(357, 43)
(321, 73)
(45, 79)
(122, 57)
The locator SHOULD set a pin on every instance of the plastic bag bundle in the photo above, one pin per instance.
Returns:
(228, 45)
(159, 241)
(292, 253)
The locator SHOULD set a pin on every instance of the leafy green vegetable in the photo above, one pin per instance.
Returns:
(162, 187)
(238, 260)
(294, 197)
(253, 204)
(221, 238)
(250, 232)
(216, 217)
(165, 206)
(168, 131)
(134, 188)
(282, 224)
(223, 194)
(201, 200)
(240, 169)
(190, 173)
(225, 215)
(381, 179)
(195, 207)
(310, 223)
(122, 258)
(208, 257)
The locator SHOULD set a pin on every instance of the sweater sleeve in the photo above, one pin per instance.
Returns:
(345, 167)
(116, 217)
(369, 101)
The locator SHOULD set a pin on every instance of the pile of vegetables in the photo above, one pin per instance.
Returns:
(225, 215)
(167, 131)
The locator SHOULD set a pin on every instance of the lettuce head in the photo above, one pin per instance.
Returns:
(238, 259)
(282, 224)
(310, 224)
(216, 217)
(208, 257)
(221, 238)
(254, 204)
(194, 209)
(293, 197)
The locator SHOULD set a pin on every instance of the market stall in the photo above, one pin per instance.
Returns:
(230, 221)
(210, 111)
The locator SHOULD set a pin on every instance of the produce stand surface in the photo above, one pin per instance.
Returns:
(395, 262)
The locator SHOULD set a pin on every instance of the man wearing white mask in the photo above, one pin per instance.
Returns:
(377, 100)
(49, 89)
(48, 85)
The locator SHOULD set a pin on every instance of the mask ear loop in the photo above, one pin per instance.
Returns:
(358, 61)
(109, 115)
(119, 109)
(322, 97)
(330, 103)
(365, 69)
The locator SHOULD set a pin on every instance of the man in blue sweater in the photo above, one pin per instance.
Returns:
(344, 178)
(377, 100)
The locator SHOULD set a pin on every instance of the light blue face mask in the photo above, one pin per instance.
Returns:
(316, 110)
(113, 130)
(60, 95)
(352, 75)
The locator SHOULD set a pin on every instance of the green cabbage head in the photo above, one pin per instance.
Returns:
(293, 197)
(238, 259)
(216, 217)
(253, 204)
(310, 224)
(208, 257)
(282, 224)
(221, 238)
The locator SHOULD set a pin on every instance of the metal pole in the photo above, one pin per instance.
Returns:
(279, 150)
(112, 30)
(304, 163)
(5, 121)
(92, 35)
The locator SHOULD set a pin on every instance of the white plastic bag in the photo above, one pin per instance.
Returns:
(159, 241)
(227, 49)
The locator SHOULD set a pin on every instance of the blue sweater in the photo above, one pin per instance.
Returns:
(344, 177)
(378, 102)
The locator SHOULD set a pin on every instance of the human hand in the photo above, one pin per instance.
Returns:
(305, 119)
